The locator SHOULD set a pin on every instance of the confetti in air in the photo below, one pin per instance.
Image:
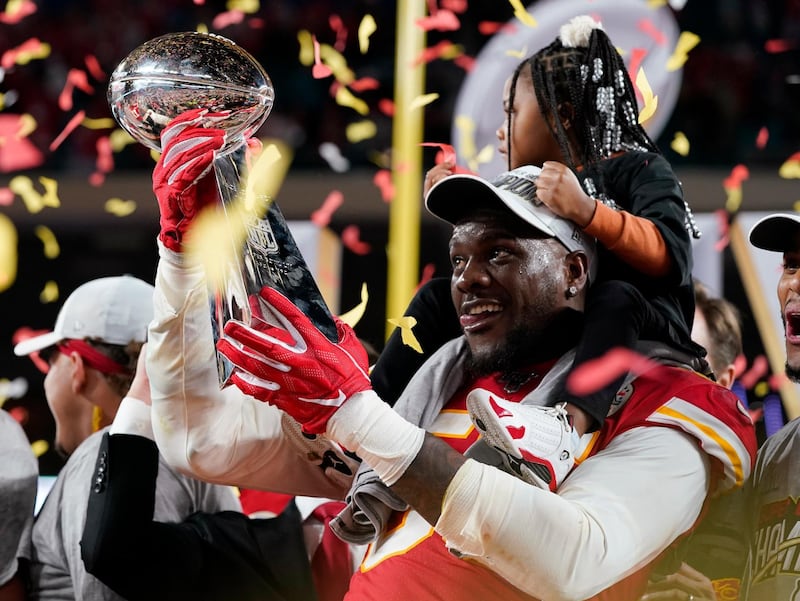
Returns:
(354, 315)
(406, 325)
(650, 101)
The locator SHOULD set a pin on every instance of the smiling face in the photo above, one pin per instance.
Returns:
(530, 141)
(789, 299)
(509, 282)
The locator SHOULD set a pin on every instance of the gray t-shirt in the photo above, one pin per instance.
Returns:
(57, 571)
(773, 506)
(19, 471)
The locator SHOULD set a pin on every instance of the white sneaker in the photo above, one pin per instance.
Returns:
(538, 444)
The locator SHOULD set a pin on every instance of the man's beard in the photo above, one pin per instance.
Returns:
(515, 351)
(793, 373)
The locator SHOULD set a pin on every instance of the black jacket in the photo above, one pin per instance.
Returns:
(219, 556)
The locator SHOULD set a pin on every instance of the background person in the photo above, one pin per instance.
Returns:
(92, 354)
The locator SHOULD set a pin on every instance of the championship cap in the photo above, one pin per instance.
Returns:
(456, 195)
(114, 310)
(778, 232)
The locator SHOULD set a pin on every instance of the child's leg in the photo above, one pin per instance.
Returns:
(615, 315)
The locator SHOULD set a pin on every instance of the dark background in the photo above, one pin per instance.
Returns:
(732, 87)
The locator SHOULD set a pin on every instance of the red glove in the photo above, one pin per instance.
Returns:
(182, 179)
(295, 368)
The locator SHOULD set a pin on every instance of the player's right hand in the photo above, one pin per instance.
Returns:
(183, 179)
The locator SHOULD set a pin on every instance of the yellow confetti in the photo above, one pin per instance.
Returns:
(406, 323)
(656, 3)
(49, 293)
(119, 207)
(761, 389)
(8, 253)
(337, 63)
(365, 29)
(790, 168)
(796, 206)
(680, 143)
(519, 54)
(423, 100)
(248, 7)
(466, 126)
(734, 199)
(202, 28)
(119, 139)
(48, 238)
(39, 447)
(363, 130)
(345, 97)
(215, 239)
(485, 155)
(306, 41)
(523, 15)
(452, 51)
(28, 126)
(354, 315)
(22, 186)
(686, 41)
(650, 101)
(105, 123)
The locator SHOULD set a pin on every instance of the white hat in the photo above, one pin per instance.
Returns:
(778, 232)
(454, 196)
(114, 310)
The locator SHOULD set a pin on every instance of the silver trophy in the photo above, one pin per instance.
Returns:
(177, 72)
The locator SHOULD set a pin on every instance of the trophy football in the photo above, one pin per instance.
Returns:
(189, 70)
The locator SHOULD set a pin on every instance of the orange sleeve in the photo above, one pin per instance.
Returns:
(633, 239)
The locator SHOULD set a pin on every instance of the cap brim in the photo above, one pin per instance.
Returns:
(779, 232)
(36, 343)
(456, 196)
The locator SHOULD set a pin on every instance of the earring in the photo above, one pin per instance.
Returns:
(572, 291)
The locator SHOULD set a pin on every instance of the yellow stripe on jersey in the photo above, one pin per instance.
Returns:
(716, 438)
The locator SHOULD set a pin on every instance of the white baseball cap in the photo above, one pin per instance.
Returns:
(454, 196)
(778, 232)
(114, 310)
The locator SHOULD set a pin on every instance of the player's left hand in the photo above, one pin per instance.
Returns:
(558, 188)
(687, 584)
(295, 367)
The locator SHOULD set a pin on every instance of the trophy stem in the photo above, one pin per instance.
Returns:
(270, 257)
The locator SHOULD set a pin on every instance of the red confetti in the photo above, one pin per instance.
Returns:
(9, 58)
(76, 78)
(24, 333)
(94, 68)
(199, 2)
(224, 19)
(73, 123)
(777, 46)
(637, 56)
(6, 197)
(597, 373)
(427, 274)
(775, 381)
(441, 20)
(24, 9)
(386, 106)
(337, 25)
(465, 62)
(457, 6)
(739, 365)
(433, 52)
(322, 216)
(364, 84)
(105, 156)
(492, 27)
(759, 369)
(762, 138)
(383, 180)
(738, 174)
(756, 414)
(20, 414)
(16, 152)
(646, 26)
(724, 228)
(319, 71)
(351, 240)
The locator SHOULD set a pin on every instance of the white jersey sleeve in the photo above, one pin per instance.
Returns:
(614, 514)
(217, 435)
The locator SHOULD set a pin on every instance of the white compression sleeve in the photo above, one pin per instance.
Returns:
(372, 429)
